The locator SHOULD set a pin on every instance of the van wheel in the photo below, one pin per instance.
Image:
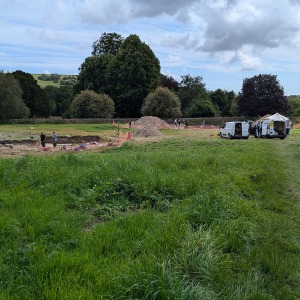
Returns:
(230, 136)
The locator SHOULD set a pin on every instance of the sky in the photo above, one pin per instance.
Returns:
(222, 41)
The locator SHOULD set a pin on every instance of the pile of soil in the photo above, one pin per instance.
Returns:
(147, 131)
(149, 126)
(150, 121)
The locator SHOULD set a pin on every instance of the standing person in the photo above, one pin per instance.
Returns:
(175, 123)
(54, 139)
(43, 139)
(186, 124)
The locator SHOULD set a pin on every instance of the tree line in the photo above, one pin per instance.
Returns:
(121, 78)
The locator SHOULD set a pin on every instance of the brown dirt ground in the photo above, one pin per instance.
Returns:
(21, 149)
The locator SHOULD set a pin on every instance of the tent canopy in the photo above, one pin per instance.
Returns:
(277, 117)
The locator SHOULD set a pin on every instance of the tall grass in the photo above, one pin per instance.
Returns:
(181, 218)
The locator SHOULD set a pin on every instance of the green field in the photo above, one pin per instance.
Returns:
(43, 83)
(25, 131)
(189, 216)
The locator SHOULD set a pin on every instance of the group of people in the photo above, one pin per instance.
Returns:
(177, 123)
(43, 139)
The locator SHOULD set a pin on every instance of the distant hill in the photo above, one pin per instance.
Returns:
(55, 79)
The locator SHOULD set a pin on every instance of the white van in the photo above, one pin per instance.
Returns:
(271, 129)
(235, 130)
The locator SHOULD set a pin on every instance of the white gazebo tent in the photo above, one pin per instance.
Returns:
(279, 117)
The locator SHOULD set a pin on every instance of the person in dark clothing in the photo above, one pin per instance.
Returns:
(186, 124)
(43, 139)
(54, 139)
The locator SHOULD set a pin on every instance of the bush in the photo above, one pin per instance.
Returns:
(162, 103)
(89, 104)
(203, 108)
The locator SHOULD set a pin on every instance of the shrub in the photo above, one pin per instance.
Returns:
(162, 103)
(89, 104)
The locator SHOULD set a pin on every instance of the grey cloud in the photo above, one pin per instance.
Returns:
(146, 8)
(214, 26)
(92, 11)
(104, 12)
(229, 24)
(184, 41)
(223, 36)
(268, 29)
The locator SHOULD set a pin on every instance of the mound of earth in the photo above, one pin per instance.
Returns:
(147, 131)
(150, 122)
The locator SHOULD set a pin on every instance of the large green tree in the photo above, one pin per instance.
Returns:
(133, 72)
(108, 43)
(261, 95)
(222, 100)
(93, 71)
(11, 104)
(59, 99)
(201, 108)
(127, 70)
(92, 74)
(89, 104)
(33, 95)
(169, 82)
(294, 105)
(162, 103)
(191, 93)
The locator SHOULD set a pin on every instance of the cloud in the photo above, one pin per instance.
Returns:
(51, 35)
(256, 23)
(214, 26)
(182, 40)
(113, 11)
(248, 61)
(192, 36)
(174, 59)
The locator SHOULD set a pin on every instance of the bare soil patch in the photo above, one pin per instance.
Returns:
(10, 148)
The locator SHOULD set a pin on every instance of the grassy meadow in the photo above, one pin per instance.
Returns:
(43, 83)
(189, 216)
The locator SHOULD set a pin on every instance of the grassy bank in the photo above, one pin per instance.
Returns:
(180, 218)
